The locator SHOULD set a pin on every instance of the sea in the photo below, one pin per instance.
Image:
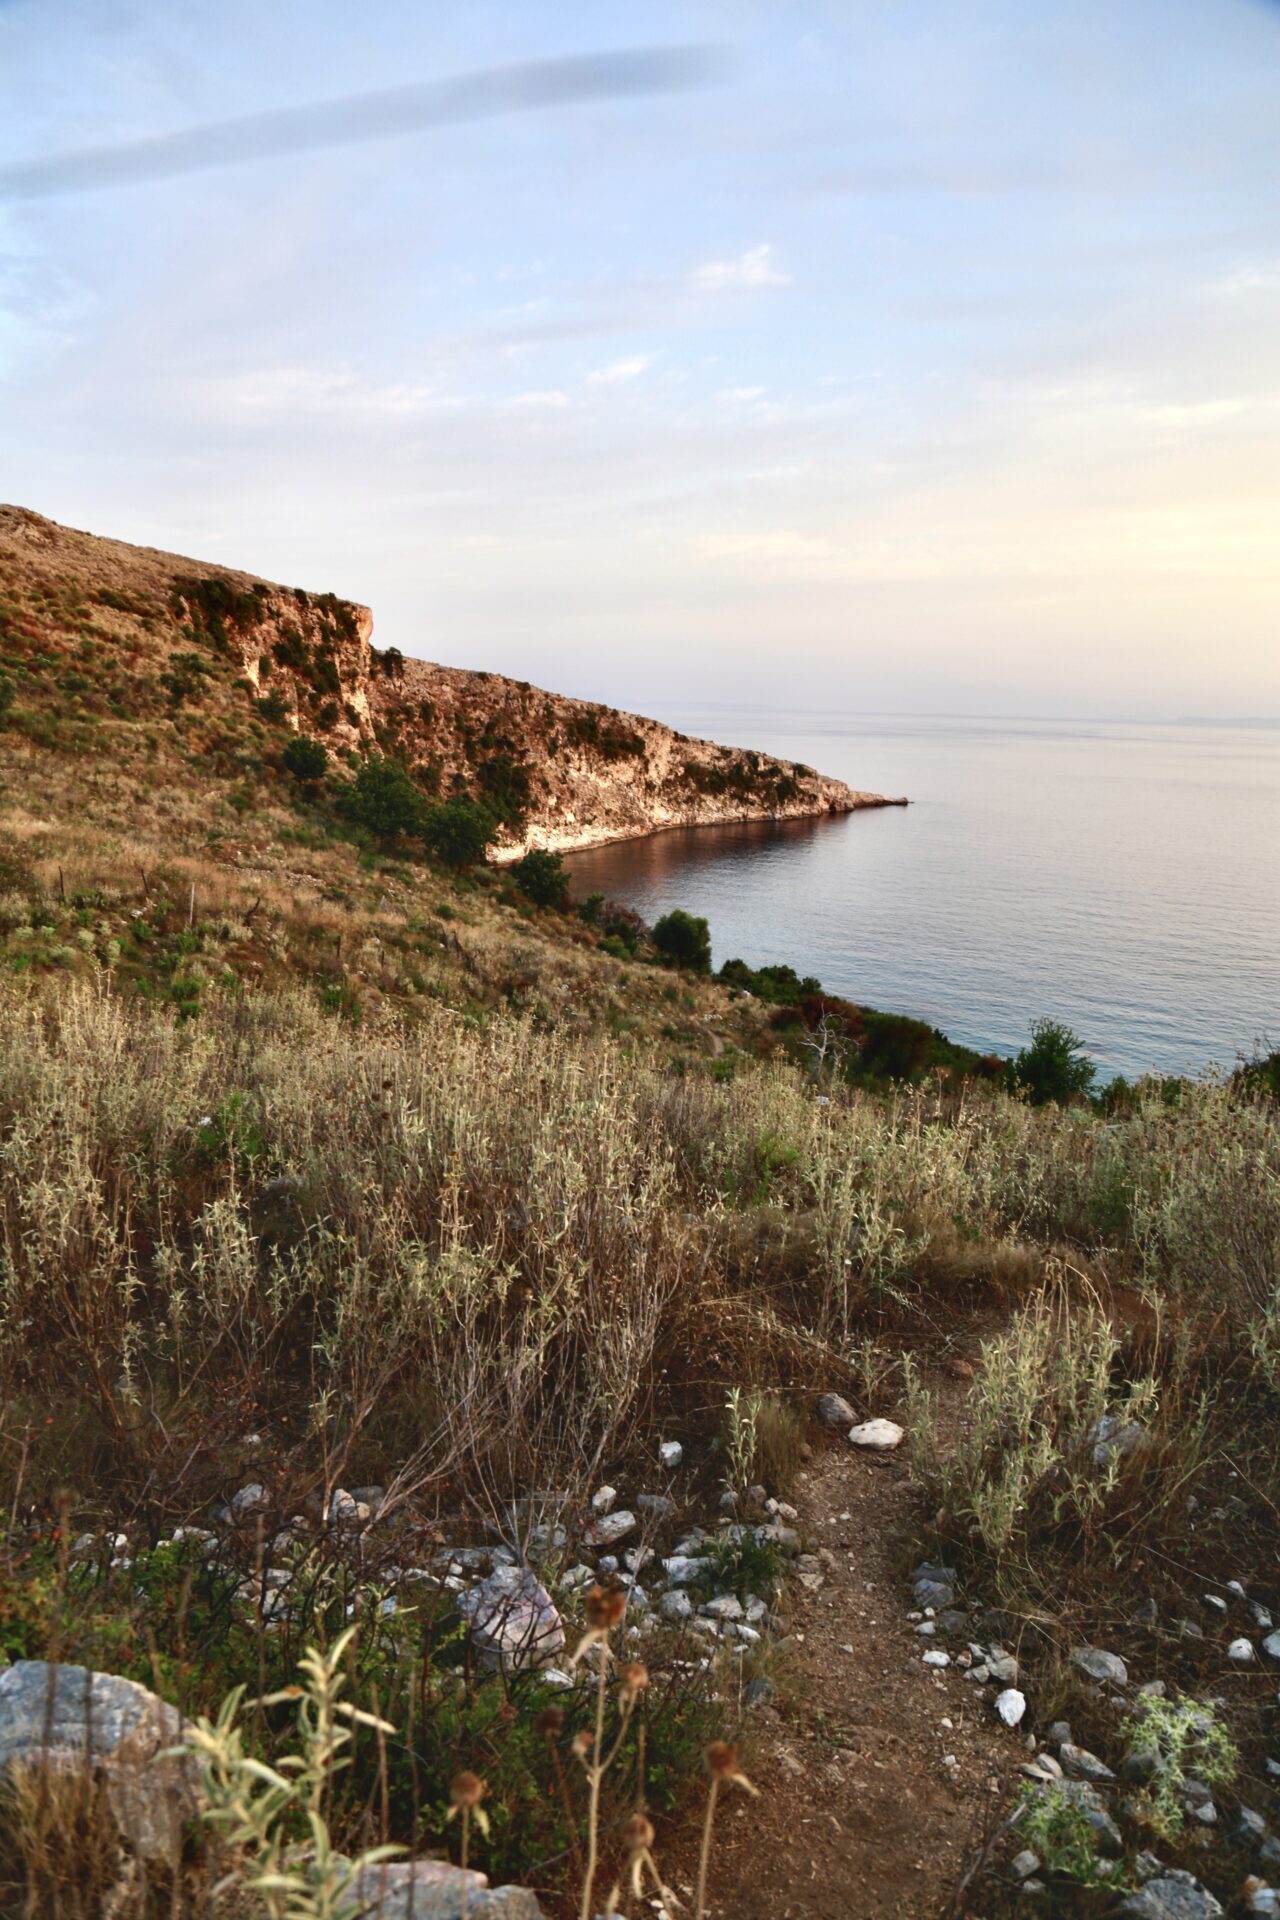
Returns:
(1123, 878)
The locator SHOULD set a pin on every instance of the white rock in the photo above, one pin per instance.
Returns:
(1011, 1705)
(1271, 1645)
(513, 1620)
(1024, 1864)
(607, 1529)
(937, 1657)
(671, 1453)
(250, 1499)
(676, 1605)
(1100, 1665)
(1241, 1652)
(880, 1435)
(604, 1500)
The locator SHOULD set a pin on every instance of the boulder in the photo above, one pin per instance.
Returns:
(513, 1621)
(72, 1717)
(1099, 1665)
(1175, 1895)
(433, 1890)
(881, 1436)
(834, 1411)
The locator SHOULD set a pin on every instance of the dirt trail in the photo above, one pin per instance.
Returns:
(859, 1814)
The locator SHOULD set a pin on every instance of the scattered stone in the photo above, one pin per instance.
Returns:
(1271, 1646)
(1050, 1765)
(1079, 1764)
(953, 1622)
(371, 1497)
(725, 1606)
(1251, 1826)
(604, 1499)
(1011, 1705)
(1153, 1689)
(1099, 1665)
(1107, 1835)
(1111, 1438)
(728, 1502)
(346, 1512)
(1241, 1652)
(660, 1505)
(683, 1570)
(250, 1500)
(933, 1593)
(1261, 1617)
(881, 1436)
(945, 1576)
(68, 1717)
(1003, 1667)
(833, 1411)
(1173, 1895)
(676, 1605)
(757, 1693)
(670, 1453)
(607, 1529)
(1216, 1601)
(1147, 1615)
(1024, 1864)
(1148, 1866)
(937, 1657)
(1259, 1898)
(513, 1620)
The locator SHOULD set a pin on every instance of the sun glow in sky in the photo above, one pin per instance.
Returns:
(927, 360)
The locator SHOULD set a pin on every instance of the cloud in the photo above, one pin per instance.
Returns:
(752, 269)
(541, 397)
(741, 393)
(629, 369)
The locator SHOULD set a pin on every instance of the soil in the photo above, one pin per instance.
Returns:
(858, 1814)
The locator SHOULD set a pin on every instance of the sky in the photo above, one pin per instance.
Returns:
(926, 359)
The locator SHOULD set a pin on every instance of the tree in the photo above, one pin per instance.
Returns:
(8, 693)
(541, 877)
(383, 798)
(458, 831)
(307, 760)
(1054, 1067)
(684, 940)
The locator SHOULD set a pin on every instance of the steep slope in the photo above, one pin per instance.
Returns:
(97, 636)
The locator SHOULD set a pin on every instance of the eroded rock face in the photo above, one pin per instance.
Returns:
(72, 1717)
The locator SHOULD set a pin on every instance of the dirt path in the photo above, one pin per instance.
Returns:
(860, 1812)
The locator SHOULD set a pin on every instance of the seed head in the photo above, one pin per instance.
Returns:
(638, 1834)
(722, 1764)
(605, 1607)
(634, 1679)
(583, 1743)
(467, 1790)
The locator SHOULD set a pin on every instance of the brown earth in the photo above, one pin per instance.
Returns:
(859, 1817)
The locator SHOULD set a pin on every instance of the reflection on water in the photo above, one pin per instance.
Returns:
(624, 867)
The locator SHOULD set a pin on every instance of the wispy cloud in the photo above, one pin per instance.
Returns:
(741, 393)
(750, 270)
(628, 369)
(541, 397)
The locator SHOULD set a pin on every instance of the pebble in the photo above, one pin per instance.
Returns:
(604, 1500)
(607, 1529)
(250, 1499)
(881, 1436)
(1011, 1705)
(671, 1453)
(833, 1411)
(676, 1605)
(937, 1657)
(1259, 1898)
(1271, 1646)
(1024, 1864)
(1241, 1652)
(1079, 1764)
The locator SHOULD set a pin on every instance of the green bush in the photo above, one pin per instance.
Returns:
(458, 831)
(541, 877)
(8, 693)
(1054, 1067)
(383, 798)
(684, 940)
(305, 759)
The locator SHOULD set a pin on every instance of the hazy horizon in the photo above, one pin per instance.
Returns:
(918, 364)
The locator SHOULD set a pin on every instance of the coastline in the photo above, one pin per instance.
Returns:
(574, 839)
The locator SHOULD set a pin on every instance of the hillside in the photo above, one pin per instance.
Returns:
(99, 637)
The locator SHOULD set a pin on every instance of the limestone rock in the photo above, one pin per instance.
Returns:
(432, 1890)
(881, 1436)
(513, 1620)
(1174, 1896)
(1099, 1665)
(834, 1411)
(72, 1717)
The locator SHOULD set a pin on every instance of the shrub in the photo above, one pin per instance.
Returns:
(458, 831)
(8, 693)
(383, 798)
(541, 877)
(684, 940)
(1054, 1067)
(305, 759)
(1177, 1738)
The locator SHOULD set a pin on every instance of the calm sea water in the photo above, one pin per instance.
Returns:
(1124, 878)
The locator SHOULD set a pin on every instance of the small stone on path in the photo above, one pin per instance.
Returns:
(881, 1436)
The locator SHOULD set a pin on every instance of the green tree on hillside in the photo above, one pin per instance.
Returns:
(458, 831)
(1053, 1067)
(305, 759)
(684, 940)
(541, 877)
(383, 798)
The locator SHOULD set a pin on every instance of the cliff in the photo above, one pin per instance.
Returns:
(111, 634)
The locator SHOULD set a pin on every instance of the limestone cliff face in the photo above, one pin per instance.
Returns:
(576, 774)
